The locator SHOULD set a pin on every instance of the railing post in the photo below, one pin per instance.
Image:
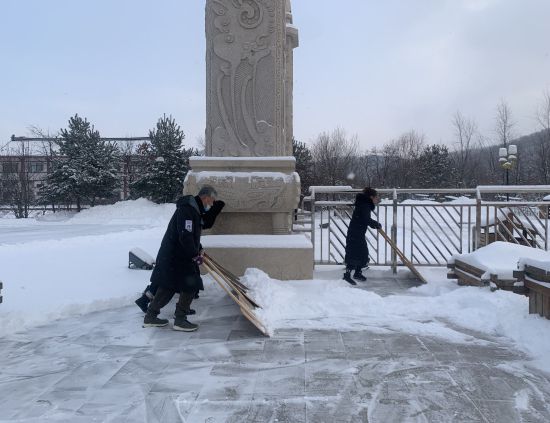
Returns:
(478, 220)
(313, 223)
(394, 233)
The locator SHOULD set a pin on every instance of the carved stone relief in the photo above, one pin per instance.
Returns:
(247, 78)
(250, 192)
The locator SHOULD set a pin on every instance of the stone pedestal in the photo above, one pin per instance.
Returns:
(282, 257)
(260, 193)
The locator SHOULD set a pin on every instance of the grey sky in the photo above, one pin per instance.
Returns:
(376, 68)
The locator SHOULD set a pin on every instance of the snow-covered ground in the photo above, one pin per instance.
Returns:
(60, 266)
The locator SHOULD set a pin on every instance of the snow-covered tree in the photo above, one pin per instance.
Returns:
(304, 164)
(435, 167)
(84, 167)
(165, 163)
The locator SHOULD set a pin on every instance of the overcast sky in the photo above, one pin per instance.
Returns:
(376, 68)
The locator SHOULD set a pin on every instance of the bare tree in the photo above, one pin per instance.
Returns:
(504, 128)
(334, 155)
(16, 182)
(400, 159)
(465, 131)
(542, 146)
(504, 124)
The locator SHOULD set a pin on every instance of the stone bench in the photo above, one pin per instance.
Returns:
(536, 282)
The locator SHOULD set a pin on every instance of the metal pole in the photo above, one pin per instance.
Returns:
(394, 233)
(507, 184)
(313, 222)
(478, 220)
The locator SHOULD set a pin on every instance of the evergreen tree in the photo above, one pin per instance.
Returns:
(435, 168)
(165, 163)
(304, 164)
(84, 167)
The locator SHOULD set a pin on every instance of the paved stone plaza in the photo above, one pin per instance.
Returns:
(103, 367)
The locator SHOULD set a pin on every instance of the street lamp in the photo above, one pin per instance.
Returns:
(507, 158)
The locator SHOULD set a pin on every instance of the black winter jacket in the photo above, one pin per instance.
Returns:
(174, 267)
(357, 251)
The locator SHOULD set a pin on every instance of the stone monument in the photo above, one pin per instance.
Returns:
(249, 83)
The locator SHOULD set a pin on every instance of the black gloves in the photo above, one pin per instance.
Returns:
(217, 206)
(209, 217)
(198, 260)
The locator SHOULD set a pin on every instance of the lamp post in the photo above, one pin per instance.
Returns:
(507, 158)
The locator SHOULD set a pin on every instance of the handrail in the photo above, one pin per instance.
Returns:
(470, 229)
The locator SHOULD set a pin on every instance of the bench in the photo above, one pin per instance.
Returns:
(469, 275)
(536, 282)
(465, 274)
(1, 286)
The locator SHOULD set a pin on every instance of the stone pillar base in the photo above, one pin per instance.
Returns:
(260, 193)
(282, 257)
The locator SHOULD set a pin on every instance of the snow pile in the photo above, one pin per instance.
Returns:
(500, 258)
(461, 200)
(140, 211)
(427, 310)
(47, 280)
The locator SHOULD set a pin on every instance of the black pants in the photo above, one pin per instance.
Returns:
(152, 288)
(151, 291)
(351, 267)
(163, 297)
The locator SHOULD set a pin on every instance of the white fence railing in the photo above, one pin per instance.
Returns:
(429, 226)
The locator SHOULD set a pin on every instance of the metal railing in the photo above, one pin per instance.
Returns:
(429, 226)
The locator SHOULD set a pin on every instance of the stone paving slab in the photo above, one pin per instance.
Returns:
(103, 367)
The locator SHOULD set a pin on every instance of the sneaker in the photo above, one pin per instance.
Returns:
(184, 325)
(348, 279)
(154, 322)
(359, 276)
(142, 302)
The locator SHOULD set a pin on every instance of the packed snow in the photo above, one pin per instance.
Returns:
(59, 270)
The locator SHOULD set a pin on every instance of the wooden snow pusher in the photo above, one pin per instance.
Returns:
(404, 259)
(236, 290)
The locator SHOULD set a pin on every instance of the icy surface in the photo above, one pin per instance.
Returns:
(104, 367)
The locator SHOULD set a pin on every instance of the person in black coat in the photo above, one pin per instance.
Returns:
(208, 220)
(357, 251)
(178, 260)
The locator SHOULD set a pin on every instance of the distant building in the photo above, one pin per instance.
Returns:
(25, 161)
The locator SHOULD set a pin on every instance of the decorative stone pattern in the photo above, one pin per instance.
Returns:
(258, 202)
(249, 74)
(268, 192)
